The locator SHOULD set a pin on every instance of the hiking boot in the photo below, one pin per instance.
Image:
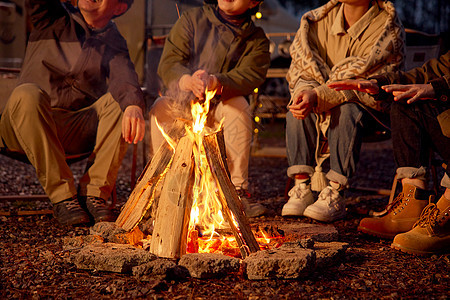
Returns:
(69, 212)
(99, 209)
(300, 197)
(431, 234)
(251, 209)
(400, 215)
(329, 207)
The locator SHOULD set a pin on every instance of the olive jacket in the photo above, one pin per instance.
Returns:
(435, 71)
(73, 64)
(238, 57)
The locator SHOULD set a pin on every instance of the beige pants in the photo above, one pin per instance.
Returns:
(46, 134)
(237, 132)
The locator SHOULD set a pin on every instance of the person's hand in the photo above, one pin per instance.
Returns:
(303, 104)
(196, 83)
(133, 124)
(362, 85)
(412, 92)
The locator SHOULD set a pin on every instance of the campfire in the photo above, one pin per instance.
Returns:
(186, 193)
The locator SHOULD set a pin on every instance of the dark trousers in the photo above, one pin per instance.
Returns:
(416, 131)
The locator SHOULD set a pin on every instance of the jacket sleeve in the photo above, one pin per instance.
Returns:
(251, 70)
(435, 71)
(123, 83)
(296, 77)
(43, 12)
(174, 61)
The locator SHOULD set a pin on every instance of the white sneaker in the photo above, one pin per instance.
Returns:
(300, 198)
(329, 207)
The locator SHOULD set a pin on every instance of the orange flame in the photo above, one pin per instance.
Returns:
(169, 140)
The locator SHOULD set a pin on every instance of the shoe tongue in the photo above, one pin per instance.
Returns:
(419, 194)
(305, 181)
(443, 204)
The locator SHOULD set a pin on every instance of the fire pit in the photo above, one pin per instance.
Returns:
(184, 216)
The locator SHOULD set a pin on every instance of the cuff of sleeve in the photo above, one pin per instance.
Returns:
(349, 95)
(441, 89)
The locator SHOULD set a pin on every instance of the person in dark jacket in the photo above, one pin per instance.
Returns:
(77, 93)
(216, 46)
(420, 121)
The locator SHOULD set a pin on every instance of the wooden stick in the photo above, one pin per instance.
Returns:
(141, 197)
(215, 152)
(169, 238)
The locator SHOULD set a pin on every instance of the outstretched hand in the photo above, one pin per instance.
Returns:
(303, 104)
(411, 92)
(133, 124)
(362, 85)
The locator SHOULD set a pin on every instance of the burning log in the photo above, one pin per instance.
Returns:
(145, 190)
(169, 237)
(215, 152)
(143, 193)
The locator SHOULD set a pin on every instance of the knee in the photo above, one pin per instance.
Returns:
(27, 98)
(236, 105)
(160, 110)
(346, 114)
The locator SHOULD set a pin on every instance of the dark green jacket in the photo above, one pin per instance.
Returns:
(74, 64)
(239, 57)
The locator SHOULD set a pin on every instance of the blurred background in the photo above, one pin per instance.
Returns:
(148, 22)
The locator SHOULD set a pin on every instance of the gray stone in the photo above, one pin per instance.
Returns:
(209, 265)
(75, 244)
(317, 232)
(110, 232)
(280, 263)
(110, 257)
(329, 252)
(306, 243)
(160, 268)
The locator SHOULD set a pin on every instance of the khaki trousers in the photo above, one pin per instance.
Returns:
(237, 129)
(46, 135)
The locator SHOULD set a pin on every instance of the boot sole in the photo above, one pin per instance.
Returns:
(75, 221)
(413, 251)
(377, 234)
(291, 213)
(321, 218)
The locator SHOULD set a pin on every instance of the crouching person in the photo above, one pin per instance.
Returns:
(216, 46)
(77, 93)
(420, 121)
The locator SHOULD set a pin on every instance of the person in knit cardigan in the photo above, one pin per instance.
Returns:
(340, 40)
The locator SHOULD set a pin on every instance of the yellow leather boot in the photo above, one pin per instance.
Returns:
(401, 215)
(431, 234)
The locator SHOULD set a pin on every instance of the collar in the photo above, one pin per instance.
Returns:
(356, 29)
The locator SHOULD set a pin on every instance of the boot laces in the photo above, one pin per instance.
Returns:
(428, 217)
(72, 204)
(97, 201)
(395, 203)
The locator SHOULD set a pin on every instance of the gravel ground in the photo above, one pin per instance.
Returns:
(34, 265)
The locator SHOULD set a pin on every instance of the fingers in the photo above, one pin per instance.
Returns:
(133, 125)
(349, 84)
(395, 87)
(366, 86)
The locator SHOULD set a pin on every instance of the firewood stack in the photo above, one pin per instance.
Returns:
(167, 183)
